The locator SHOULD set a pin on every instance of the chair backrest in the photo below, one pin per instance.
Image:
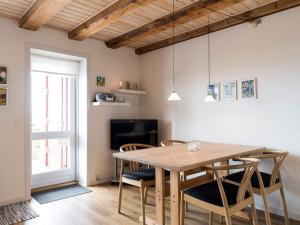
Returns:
(278, 158)
(134, 166)
(165, 143)
(249, 165)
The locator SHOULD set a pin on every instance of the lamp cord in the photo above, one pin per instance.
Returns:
(173, 45)
(208, 49)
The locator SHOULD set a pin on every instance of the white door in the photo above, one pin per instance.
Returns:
(53, 98)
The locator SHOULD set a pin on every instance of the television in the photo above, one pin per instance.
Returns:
(133, 131)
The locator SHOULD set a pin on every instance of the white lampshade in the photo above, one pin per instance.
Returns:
(209, 98)
(174, 97)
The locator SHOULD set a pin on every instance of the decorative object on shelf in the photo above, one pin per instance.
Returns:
(127, 85)
(105, 97)
(213, 92)
(248, 89)
(134, 86)
(174, 96)
(120, 99)
(3, 97)
(229, 90)
(3, 75)
(121, 85)
(101, 81)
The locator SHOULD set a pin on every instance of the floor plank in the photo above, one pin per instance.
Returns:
(100, 208)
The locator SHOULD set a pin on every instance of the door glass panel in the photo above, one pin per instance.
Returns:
(50, 155)
(50, 102)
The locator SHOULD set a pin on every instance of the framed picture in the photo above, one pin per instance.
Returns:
(3, 75)
(229, 90)
(3, 97)
(248, 89)
(100, 81)
(213, 90)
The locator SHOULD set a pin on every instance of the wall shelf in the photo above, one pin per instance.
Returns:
(110, 104)
(132, 92)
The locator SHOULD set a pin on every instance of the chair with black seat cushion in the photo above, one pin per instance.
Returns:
(138, 175)
(222, 198)
(264, 183)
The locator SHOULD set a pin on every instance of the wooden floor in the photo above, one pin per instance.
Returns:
(100, 208)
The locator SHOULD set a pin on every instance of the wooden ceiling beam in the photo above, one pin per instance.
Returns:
(181, 16)
(41, 12)
(105, 17)
(259, 12)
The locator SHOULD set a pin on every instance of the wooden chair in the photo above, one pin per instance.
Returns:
(165, 143)
(138, 175)
(222, 198)
(264, 184)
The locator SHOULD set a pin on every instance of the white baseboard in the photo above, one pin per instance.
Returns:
(101, 181)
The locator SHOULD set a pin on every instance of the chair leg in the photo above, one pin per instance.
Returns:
(221, 219)
(228, 219)
(120, 195)
(146, 194)
(142, 190)
(182, 208)
(211, 215)
(183, 178)
(286, 215)
(254, 215)
(267, 213)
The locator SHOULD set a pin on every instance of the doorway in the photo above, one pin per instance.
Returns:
(53, 119)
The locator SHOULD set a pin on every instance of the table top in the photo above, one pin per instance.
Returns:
(178, 158)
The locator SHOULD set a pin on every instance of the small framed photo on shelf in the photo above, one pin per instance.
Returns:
(3, 97)
(214, 90)
(229, 90)
(3, 75)
(248, 89)
(100, 81)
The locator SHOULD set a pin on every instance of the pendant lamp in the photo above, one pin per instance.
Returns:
(174, 96)
(209, 97)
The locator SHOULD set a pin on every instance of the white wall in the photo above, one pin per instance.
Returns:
(116, 65)
(271, 53)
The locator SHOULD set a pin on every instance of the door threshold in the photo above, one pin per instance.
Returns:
(46, 188)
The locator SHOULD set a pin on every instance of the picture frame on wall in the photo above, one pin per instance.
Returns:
(3, 97)
(3, 75)
(229, 90)
(214, 90)
(248, 89)
(100, 81)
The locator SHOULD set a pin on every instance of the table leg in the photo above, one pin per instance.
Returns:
(175, 198)
(160, 195)
(225, 172)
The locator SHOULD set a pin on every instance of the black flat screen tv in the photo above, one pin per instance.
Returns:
(133, 131)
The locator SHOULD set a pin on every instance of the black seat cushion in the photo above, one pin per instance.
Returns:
(237, 177)
(210, 193)
(145, 174)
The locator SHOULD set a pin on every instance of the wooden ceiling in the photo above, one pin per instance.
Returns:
(144, 25)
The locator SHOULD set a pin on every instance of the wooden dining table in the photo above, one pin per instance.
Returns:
(178, 159)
